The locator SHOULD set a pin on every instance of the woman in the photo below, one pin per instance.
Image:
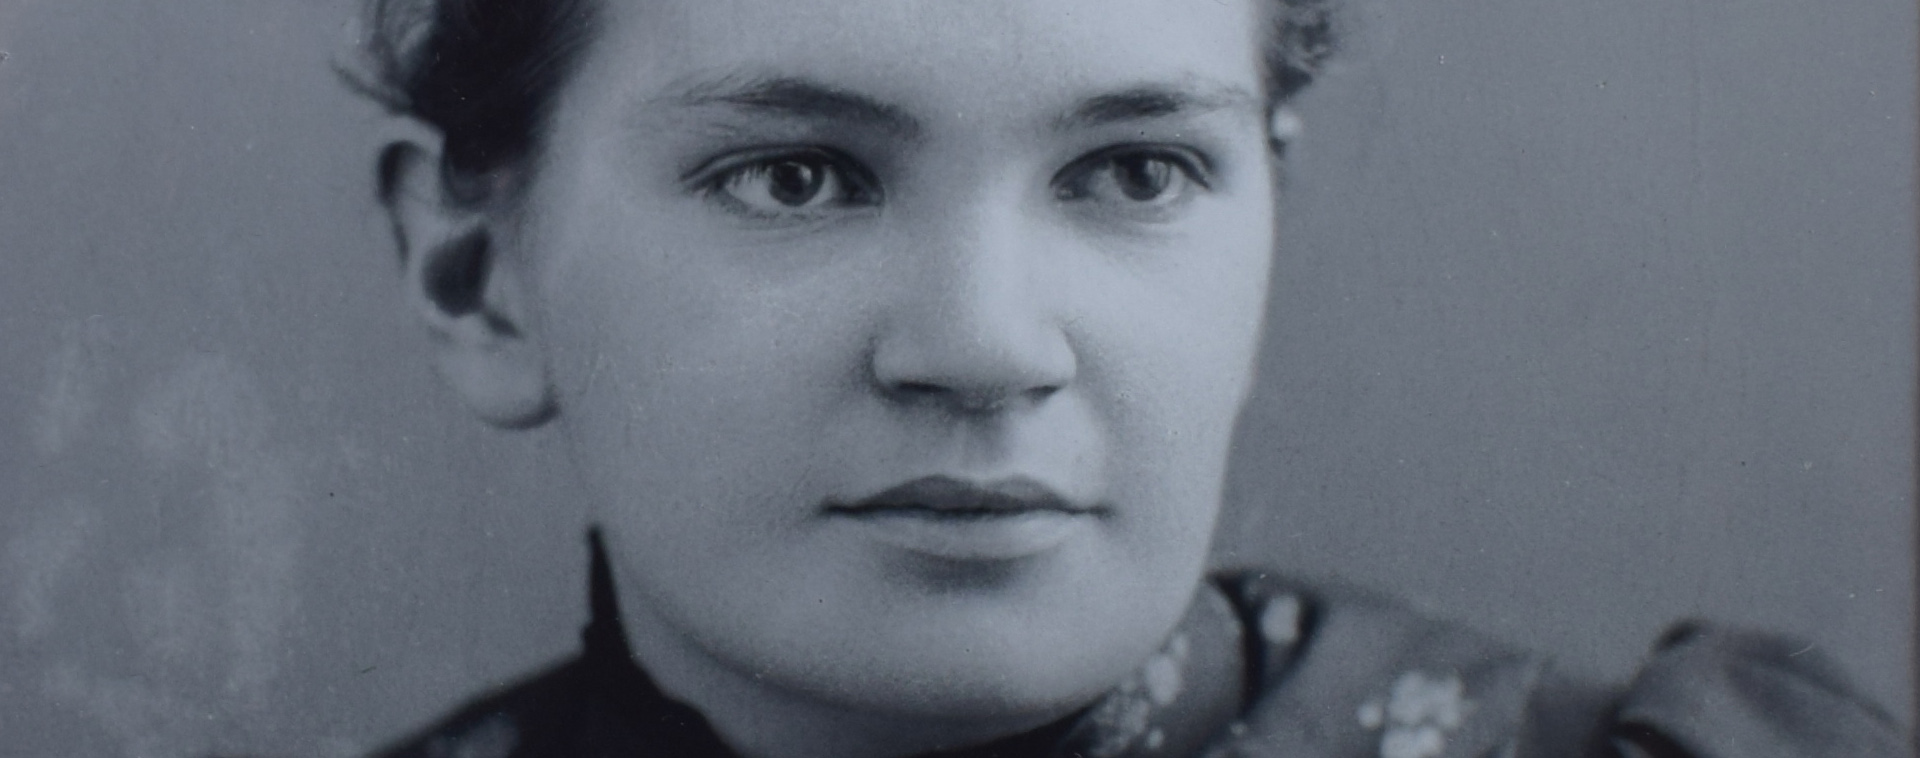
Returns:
(899, 344)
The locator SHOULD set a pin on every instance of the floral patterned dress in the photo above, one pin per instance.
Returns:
(1262, 666)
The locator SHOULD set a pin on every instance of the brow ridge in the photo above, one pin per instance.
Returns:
(1149, 101)
(807, 99)
(799, 98)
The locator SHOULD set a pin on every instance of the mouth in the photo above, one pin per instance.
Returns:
(958, 520)
(946, 497)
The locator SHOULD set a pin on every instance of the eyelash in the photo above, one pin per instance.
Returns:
(1070, 184)
(853, 187)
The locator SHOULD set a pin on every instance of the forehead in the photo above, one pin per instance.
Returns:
(959, 59)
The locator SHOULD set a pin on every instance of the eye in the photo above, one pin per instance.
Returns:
(1133, 178)
(793, 184)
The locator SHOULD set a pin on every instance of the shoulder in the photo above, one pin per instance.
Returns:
(1340, 671)
(1710, 691)
(1345, 672)
(595, 705)
(525, 717)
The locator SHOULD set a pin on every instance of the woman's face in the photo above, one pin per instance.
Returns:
(900, 341)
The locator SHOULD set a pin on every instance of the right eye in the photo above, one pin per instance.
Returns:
(1139, 182)
(791, 185)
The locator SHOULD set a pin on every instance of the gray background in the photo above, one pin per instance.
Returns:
(1588, 316)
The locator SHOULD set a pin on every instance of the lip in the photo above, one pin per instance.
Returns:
(960, 520)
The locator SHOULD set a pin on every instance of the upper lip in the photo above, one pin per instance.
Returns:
(951, 496)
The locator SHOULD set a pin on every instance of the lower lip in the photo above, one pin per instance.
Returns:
(998, 537)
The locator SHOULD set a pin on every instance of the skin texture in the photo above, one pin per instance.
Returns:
(778, 255)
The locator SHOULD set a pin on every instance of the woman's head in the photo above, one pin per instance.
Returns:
(485, 72)
(898, 342)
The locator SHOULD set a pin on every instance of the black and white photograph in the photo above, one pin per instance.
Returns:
(958, 378)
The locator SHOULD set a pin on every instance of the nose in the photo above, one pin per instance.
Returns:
(976, 328)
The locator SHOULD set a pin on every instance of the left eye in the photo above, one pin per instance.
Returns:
(792, 184)
(1141, 177)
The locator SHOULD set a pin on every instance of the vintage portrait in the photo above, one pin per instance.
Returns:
(958, 378)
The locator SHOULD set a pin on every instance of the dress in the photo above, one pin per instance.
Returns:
(1266, 667)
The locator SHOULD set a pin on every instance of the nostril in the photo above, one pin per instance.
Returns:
(919, 389)
(969, 368)
(926, 394)
(1037, 394)
(969, 402)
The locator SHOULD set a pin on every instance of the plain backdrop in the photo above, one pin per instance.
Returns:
(1587, 316)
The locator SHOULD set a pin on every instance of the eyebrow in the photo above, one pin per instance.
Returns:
(802, 99)
(809, 100)
(1147, 102)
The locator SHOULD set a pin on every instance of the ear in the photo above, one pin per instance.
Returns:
(1284, 128)
(470, 296)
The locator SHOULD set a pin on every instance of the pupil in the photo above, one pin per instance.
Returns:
(794, 183)
(1143, 179)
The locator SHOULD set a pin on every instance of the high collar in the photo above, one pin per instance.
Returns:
(1178, 699)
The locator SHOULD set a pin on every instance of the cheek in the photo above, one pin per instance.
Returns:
(1172, 356)
(691, 384)
(679, 372)
(1181, 337)
(692, 437)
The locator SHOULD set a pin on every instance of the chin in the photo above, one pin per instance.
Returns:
(964, 687)
(981, 658)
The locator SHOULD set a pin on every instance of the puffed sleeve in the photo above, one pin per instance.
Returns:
(1716, 692)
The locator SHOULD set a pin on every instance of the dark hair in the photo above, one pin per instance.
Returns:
(1302, 36)
(485, 72)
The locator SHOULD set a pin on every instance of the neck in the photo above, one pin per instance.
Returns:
(757, 718)
(761, 719)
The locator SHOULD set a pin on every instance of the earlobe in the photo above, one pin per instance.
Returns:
(471, 303)
(470, 298)
(1283, 128)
